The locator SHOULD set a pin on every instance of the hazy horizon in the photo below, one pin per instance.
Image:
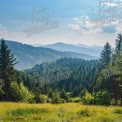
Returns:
(72, 22)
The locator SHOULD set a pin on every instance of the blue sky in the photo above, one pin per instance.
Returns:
(50, 21)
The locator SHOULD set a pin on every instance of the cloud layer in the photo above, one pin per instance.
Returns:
(85, 25)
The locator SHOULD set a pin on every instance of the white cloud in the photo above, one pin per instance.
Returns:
(110, 4)
(85, 25)
(75, 26)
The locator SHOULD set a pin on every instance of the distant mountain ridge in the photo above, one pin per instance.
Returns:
(28, 56)
(89, 50)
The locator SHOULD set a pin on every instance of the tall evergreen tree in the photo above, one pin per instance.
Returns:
(105, 56)
(103, 63)
(7, 61)
(118, 44)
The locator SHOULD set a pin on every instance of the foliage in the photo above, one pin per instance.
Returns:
(118, 44)
(95, 82)
(102, 98)
(110, 76)
(88, 99)
(63, 95)
(15, 92)
(105, 56)
(26, 96)
(56, 98)
(42, 98)
(64, 74)
(7, 61)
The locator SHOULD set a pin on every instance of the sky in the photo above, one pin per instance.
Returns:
(89, 22)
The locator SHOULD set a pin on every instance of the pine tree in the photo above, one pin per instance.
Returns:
(63, 95)
(7, 61)
(105, 56)
(118, 44)
(102, 65)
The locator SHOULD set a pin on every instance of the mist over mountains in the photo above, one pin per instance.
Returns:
(28, 55)
(80, 48)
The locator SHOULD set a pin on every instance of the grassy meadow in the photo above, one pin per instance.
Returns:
(68, 112)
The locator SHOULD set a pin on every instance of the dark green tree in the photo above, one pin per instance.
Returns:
(104, 60)
(118, 44)
(105, 56)
(63, 95)
(7, 61)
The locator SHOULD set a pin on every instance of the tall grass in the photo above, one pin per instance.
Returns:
(25, 111)
(118, 111)
(68, 112)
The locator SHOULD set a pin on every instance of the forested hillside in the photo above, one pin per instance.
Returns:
(69, 74)
(96, 82)
(28, 56)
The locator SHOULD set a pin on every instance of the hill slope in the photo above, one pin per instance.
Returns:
(89, 50)
(28, 56)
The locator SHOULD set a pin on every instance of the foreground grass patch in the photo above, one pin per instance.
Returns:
(25, 111)
(68, 112)
(118, 111)
(85, 112)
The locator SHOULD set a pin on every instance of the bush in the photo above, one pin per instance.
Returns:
(26, 96)
(83, 92)
(88, 99)
(42, 98)
(64, 96)
(55, 99)
(62, 101)
(102, 98)
(76, 99)
(117, 111)
(36, 91)
(15, 94)
(20, 93)
(85, 112)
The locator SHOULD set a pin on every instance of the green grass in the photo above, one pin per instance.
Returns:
(68, 112)
(85, 112)
(25, 111)
(118, 111)
(76, 99)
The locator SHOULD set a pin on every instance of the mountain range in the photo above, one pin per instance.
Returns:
(28, 55)
(80, 48)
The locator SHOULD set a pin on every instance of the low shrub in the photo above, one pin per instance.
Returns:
(117, 111)
(87, 99)
(102, 98)
(25, 111)
(85, 112)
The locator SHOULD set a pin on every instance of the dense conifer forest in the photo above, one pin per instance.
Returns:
(96, 82)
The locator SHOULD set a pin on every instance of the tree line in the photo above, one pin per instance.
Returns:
(94, 81)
